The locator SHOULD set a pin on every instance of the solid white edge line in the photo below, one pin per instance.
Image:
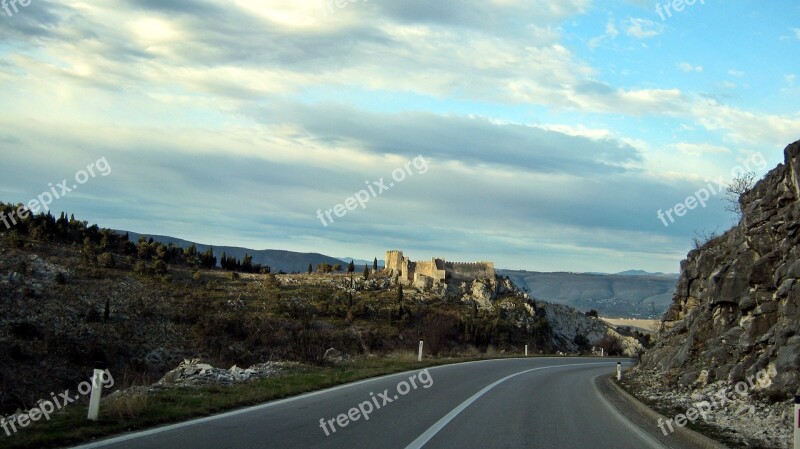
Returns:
(426, 436)
(635, 429)
(167, 428)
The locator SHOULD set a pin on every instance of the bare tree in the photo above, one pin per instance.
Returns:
(740, 185)
(701, 238)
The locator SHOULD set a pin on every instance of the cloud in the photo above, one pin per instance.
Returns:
(699, 149)
(643, 28)
(611, 32)
(686, 67)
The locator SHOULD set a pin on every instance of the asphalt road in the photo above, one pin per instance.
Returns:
(514, 403)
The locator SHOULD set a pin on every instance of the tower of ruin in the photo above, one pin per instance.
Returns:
(431, 272)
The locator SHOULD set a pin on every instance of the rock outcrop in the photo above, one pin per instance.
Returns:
(736, 309)
(568, 323)
(735, 314)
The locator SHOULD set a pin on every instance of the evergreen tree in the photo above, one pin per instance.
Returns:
(375, 265)
(366, 271)
(351, 267)
(399, 301)
(310, 268)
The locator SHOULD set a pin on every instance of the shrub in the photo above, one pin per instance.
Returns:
(106, 260)
(160, 267)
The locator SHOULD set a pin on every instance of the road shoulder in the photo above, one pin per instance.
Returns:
(647, 419)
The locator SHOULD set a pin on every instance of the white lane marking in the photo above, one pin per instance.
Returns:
(167, 428)
(436, 428)
(634, 428)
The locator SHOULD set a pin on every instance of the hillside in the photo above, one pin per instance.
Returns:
(277, 260)
(634, 295)
(142, 309)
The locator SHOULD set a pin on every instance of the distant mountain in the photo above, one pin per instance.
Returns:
(637, 295)
(278, 260)
(361, 262)
(645, 273)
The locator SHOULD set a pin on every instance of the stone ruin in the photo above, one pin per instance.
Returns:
(427, 274)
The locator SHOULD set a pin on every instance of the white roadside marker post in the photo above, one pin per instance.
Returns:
(526, 350)
(419, 358)
(97, 392)
(619, 371)
(602, 352)
(797, 422)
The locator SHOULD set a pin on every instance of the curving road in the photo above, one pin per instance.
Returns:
(514, 403)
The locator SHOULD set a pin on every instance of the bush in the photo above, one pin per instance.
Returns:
(611, 345)
(140, 267)
(106, 260)
(160, 267)
(60, 278)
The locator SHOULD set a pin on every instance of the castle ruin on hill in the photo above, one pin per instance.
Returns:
(426, 274)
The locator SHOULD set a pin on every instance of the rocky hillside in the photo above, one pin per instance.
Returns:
(64, 306)
(568, 324)
(736, 309)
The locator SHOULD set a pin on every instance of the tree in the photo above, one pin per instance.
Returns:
(701, 238)
(375, 265)
(337, 267)
(399, 300)
(581, 342)
(366, 272)
(592, 313)
(741, 184)
(310, 268)
(107, 311)
(351, 267)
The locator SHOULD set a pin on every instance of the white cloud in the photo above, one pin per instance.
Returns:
(611, 32)
(686, 67)
(699, 149)
(736, 73)
(643, 28)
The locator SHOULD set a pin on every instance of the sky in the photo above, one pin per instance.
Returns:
(541, 135)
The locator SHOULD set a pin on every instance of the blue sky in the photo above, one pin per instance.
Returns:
(552, 132)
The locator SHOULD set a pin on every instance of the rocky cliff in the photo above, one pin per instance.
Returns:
(735, 310)
(734, 317)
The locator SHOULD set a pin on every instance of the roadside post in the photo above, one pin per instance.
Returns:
(97, 392)
(797, 422)
(619, 371)
(419, 358)
(526, 350)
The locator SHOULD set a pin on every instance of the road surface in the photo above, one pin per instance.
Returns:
(514, 403)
